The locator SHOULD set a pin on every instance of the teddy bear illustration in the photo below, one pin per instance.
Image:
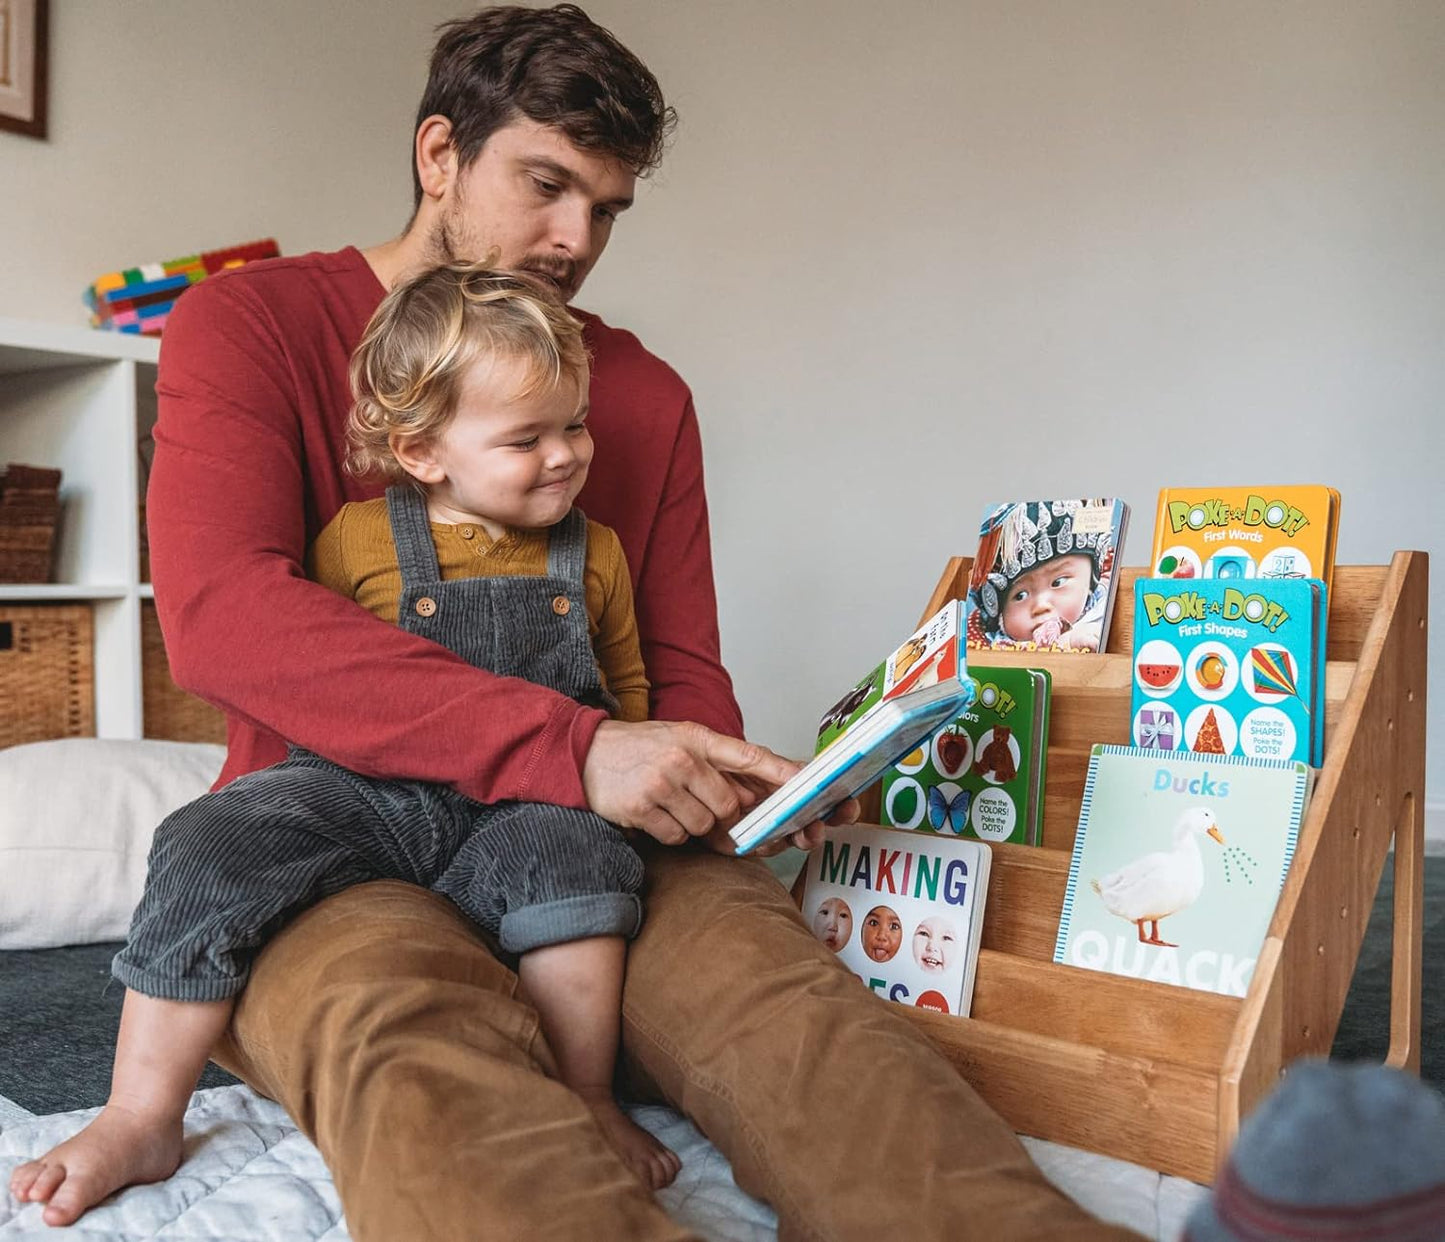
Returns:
(996, 761)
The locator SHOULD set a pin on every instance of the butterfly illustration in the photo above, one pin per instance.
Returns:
(945, 813)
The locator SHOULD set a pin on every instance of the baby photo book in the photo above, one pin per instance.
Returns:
(902, 910)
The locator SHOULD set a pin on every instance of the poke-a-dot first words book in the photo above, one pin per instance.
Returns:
(1043, 575)
(1246, 532)
(902, 910)
(1230, 666)
(918, 687)
(1178, 863)
(982, 774)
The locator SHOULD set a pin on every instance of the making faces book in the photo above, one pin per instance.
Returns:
(903, 911)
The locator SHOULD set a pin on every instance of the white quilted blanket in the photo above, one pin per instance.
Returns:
(250, 1176)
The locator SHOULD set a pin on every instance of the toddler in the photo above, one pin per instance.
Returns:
(471, 395)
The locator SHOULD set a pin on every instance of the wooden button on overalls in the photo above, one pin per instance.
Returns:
(561, 605)
(425, 606)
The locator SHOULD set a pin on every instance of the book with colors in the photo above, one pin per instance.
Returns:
(982, 774)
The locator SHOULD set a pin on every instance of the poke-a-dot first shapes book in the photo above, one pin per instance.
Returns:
(1178, 863)
(1043, 575)
(1230, 667)
(902, 910)
(1246, 532)
(982, 774)
(921, 685)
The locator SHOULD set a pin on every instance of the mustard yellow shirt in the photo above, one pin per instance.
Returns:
(355, 557)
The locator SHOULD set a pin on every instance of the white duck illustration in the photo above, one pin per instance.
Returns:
(1160, 884)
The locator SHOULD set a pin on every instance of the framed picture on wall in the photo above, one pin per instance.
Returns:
(23, 37)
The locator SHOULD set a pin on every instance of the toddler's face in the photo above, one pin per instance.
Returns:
(1051, 595)
(509, 461)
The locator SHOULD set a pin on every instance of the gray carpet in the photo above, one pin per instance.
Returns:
(59, 1009)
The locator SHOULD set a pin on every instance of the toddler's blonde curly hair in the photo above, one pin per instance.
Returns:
(407, 371)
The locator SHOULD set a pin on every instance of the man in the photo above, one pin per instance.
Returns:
(379, 1018)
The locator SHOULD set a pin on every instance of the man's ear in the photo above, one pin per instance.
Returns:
(436, 158)
(417, 456)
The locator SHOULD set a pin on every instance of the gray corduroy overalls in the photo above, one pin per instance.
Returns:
(230, 869)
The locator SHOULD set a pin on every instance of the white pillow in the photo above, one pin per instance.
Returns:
(76, 820)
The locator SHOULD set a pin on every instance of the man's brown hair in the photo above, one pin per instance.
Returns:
(554, 66)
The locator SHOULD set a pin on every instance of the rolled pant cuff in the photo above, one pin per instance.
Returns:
(571, 918)
(166, 988)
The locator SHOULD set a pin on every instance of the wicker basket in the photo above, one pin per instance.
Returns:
(29, 512)
(168, 711)
(47, 689)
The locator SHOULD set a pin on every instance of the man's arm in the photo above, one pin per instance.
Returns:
(240, 465)
(677, 601)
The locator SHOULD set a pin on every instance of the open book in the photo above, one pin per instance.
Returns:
(921, 686)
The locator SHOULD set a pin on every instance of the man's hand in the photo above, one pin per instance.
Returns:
(805, 838)
(676, 780)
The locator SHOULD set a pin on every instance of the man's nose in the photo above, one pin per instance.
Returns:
(572, 230)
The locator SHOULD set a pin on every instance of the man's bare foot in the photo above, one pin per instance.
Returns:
(654, 1164)
(119, 1148)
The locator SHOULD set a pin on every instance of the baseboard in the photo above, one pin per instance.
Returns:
(1435, 828)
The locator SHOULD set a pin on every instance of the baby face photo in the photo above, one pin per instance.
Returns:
(833, 923)
(934, 944)
(882, 933)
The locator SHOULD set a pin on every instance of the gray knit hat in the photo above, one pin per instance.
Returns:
(1034, 532)
(1339, 1153)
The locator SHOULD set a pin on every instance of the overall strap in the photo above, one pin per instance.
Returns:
(411, 533)
(567, 547)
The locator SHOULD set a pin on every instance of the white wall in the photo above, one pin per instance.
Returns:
(912, 257)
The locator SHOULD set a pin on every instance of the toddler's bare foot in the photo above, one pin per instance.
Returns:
(655, 1165)
(119, 1148)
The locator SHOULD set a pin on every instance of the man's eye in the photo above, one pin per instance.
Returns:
(605, 213)
(546, 187)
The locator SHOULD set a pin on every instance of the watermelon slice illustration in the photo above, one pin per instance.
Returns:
(1158, 676)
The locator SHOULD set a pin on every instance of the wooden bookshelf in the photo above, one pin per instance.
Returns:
(1162, 1075)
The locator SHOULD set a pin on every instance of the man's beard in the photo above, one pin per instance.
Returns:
(562, 273)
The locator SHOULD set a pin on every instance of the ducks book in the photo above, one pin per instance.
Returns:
(1246, 532)
(1043, 576)
(918, 687)
(903, 911)
(1178, 863)
(1231, 667)
(982, 774)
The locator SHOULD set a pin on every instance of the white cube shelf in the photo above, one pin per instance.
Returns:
(83, 400)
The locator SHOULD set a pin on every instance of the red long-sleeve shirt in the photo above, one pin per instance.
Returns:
(253, 396)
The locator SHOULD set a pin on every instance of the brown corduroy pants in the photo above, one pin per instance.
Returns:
(383, 1024)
